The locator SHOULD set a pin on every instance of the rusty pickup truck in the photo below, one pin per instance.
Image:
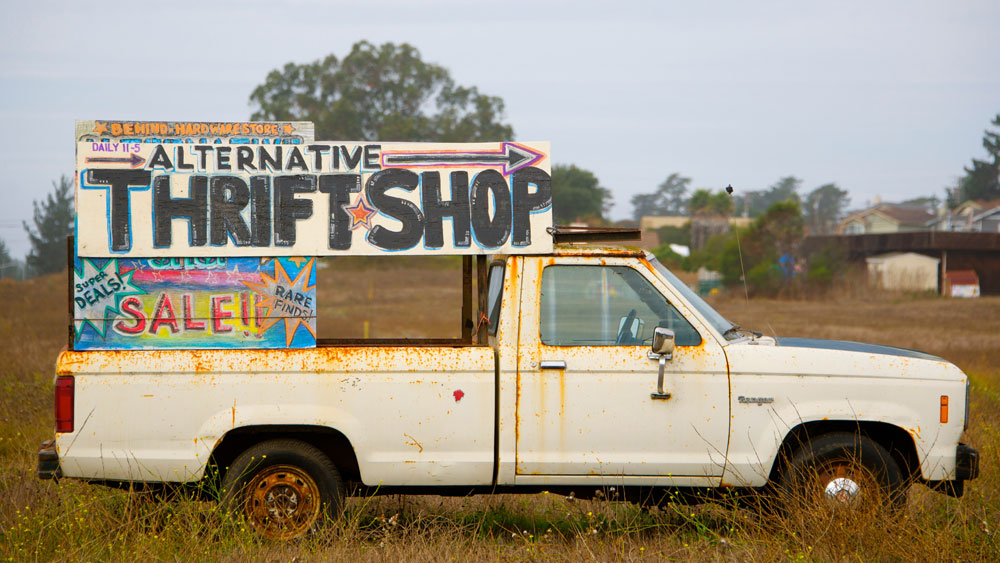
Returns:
(596, 368)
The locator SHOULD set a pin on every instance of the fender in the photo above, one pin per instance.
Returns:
(215, 428)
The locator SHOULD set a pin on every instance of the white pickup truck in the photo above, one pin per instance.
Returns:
(600, 369)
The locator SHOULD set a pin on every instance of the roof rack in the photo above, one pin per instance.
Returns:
(566, 233)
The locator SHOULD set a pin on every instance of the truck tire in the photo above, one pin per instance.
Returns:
(843, 470)
(284, 488)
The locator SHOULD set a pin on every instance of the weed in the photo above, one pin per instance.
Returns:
(70, 520)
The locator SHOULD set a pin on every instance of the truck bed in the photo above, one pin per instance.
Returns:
(414, 415)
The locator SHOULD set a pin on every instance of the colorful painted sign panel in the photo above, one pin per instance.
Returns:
(129, 303)
(323, 198)
(203, 132)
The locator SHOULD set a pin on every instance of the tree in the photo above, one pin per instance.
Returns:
(755, 203)
(53, 219)
(6, 262)
(823, 208)
(774, 234)
(380, 93)
(705, 202)
(779, 231)
(982, 180)
(785, 189)
(670, 198)
(9, 266)
(577, 195)
(930, 203)
(709, 216)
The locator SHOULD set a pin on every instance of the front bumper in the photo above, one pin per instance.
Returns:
(966, 463)
(48, 461)
(966, 468)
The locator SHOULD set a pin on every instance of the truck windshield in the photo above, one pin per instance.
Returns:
(711, 315)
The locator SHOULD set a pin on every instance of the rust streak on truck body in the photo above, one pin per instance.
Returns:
(318, 360)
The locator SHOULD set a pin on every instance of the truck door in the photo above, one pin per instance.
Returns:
(585, 378)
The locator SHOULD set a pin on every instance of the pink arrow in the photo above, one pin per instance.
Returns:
(511, 157)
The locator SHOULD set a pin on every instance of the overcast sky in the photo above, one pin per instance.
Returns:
(885, 98)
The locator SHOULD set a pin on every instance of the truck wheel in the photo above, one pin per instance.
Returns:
(843, 470)
(284, 488)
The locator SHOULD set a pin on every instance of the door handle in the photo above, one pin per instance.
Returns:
(552, 364)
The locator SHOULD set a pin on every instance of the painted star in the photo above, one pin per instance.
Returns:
(270, 301)
(298, 260)
(360, 214)
(99, 301)
(100, 128)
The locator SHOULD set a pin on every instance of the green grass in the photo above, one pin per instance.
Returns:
(71, 520)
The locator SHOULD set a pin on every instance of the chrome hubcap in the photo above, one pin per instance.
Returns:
(842, 490)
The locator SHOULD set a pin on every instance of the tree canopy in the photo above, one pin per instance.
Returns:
(777, 232)
(982, 180)
(706, 202)
(6, 261)
(577, 195)
(931, 203)
(670, 198)
(755, 203)
(380, 93)
(53, 222)
(823, 208)
(9, 266)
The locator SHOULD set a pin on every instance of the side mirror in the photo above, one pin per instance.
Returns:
(663, 341)
(663, 350)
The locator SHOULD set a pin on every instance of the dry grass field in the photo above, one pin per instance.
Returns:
(76, 521)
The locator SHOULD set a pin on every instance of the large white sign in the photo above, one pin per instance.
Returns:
(312, 199)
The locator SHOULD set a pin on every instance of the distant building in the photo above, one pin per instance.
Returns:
(907, 271)
(962, 283)
(653, 222)
(706, 226)
(970, 217)
(886, 218)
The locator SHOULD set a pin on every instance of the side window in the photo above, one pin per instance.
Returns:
(605, 306)
(493, 292)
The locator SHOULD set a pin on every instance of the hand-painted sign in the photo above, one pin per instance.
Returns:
(321, 198)
(134, 303)
(236, 133)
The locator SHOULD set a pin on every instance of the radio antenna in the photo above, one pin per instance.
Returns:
(739, 250)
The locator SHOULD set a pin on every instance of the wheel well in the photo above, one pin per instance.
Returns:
(331, 442)
(894, 439)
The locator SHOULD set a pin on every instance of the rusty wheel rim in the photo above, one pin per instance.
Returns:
(282, 502)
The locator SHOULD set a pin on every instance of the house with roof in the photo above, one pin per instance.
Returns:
(972, 216)
(886, 218)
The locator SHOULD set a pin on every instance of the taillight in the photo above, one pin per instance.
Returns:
(64, 403)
